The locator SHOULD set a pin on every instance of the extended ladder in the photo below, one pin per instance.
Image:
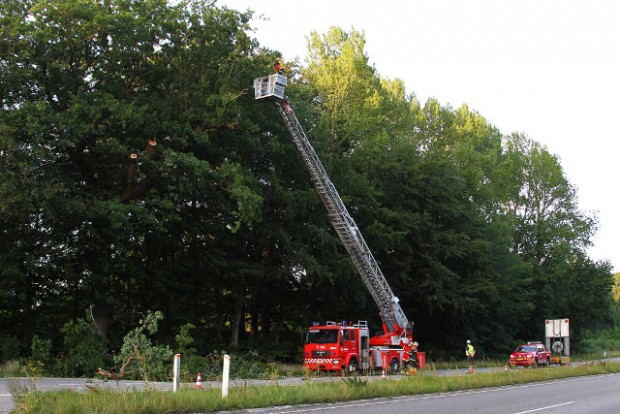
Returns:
(271, 88)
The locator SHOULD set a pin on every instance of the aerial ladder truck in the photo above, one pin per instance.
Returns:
(342, 346)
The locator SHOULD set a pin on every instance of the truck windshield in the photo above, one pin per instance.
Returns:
(322, 336)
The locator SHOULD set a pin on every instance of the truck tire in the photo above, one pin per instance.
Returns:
(395, 366)
(351, 367)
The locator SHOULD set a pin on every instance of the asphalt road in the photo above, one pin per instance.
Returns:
(583, 395)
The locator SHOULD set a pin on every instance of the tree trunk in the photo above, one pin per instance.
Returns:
(236, 320)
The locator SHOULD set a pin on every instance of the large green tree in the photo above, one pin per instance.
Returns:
(551, 234)
(119, 129)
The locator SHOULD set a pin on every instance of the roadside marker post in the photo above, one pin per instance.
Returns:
(225, 376)
(176, 372)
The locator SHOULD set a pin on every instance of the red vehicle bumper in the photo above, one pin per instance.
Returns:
(524, 362)
(323, 364)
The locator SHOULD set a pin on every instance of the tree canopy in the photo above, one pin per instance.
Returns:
(138, 173)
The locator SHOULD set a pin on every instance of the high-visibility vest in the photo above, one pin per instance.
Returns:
(470, 351)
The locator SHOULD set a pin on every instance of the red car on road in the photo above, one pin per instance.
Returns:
(530, 354)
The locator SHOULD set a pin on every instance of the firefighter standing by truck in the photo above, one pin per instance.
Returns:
(410, 352)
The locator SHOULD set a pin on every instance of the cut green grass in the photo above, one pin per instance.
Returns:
(189, 400)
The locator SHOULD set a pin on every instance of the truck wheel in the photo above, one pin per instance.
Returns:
(394, 366)
(352, 367)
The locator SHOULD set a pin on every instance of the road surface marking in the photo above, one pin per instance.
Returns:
(545, 408)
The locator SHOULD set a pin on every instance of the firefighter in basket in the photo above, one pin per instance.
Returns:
(278, 67)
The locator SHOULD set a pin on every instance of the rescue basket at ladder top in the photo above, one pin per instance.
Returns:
(270, 87)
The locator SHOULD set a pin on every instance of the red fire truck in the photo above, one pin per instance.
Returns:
(349, 348)
(345, 346)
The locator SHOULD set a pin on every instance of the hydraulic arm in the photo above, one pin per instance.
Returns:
(271, 88)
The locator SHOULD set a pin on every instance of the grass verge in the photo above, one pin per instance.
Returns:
(189, 400)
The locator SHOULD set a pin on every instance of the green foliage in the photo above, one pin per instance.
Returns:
(616, 292)
(9, 348)
(11, 368)
(185, 341)
(242, 366)
(41, 355)
(83, 349)
(599, 341)
(139, 357)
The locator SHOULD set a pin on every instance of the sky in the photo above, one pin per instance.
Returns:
(549, 69)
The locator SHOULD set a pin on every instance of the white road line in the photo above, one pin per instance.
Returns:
(546, 408)
(291, 410)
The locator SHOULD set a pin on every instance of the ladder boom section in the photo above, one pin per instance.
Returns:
(391, 312)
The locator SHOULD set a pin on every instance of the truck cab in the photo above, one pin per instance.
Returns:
(337, 347)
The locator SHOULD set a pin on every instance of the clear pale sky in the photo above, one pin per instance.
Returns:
(547, 68)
